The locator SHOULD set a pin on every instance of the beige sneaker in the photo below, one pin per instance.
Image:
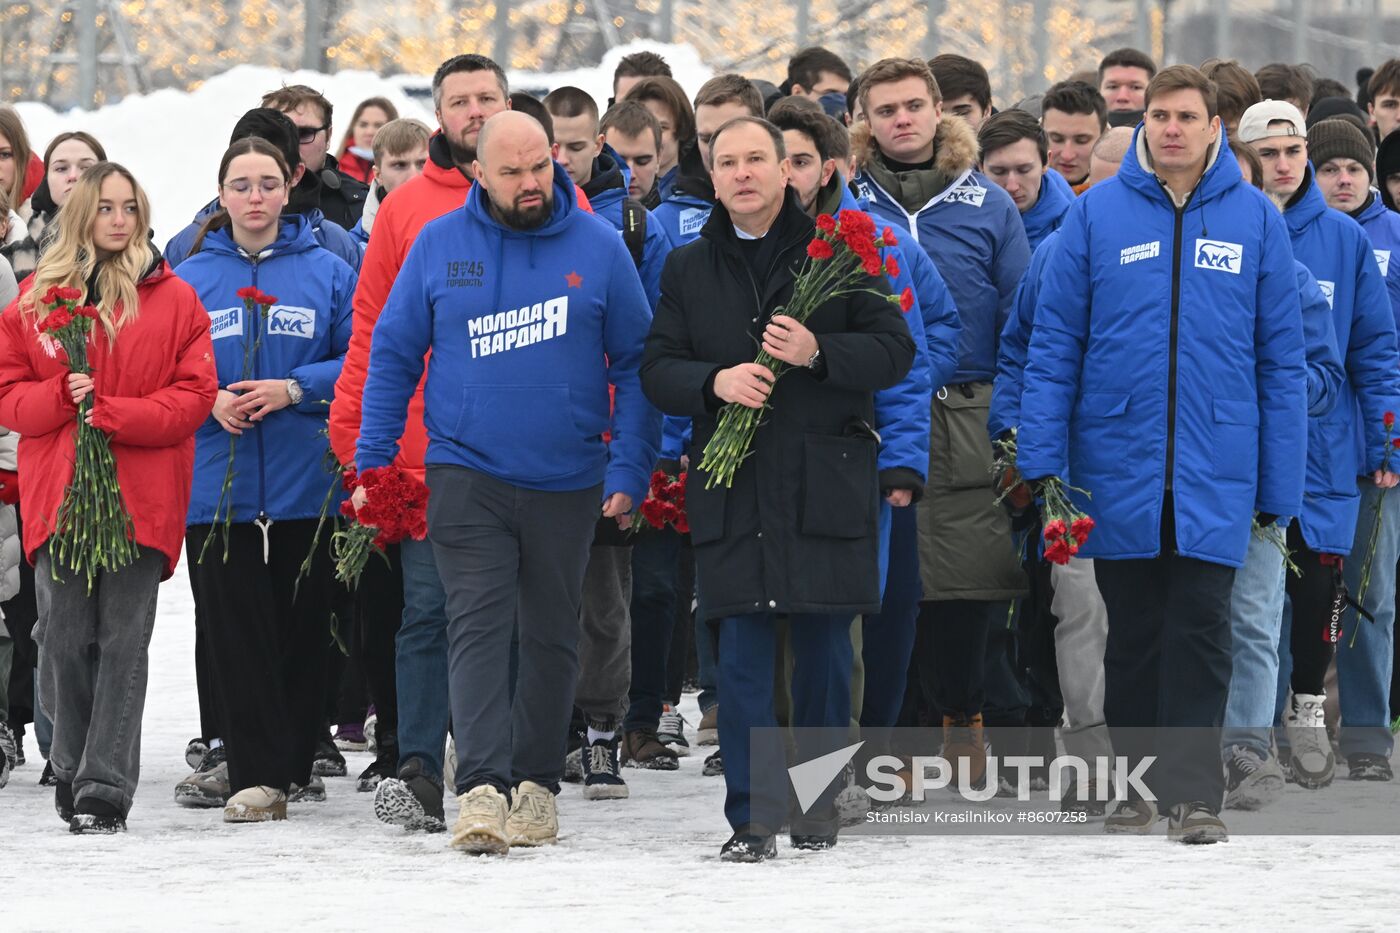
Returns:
(708, 732)
(259, 804)
(481, 822)
(534, 820)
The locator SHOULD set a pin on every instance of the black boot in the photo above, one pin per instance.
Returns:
(63, 800)
(750, 843)
(47, 779)
(815, 830)
(386, 760)
(328, 761)
(96, 817)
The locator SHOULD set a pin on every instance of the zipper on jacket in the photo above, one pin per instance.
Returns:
(262, 520)
(1173, 339)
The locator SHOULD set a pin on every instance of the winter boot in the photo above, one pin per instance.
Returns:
(385, 764)
(1251, 782)
(195, 750)
(1196, 824)
(481, 822)
(260, 804)
(965, 750)
(208, 786)
(642, 748)
(815, 830)
(714, 765)
(671, 731)
(412, 800)
(7, 753)
(1313, 763)
(708, 733)
(47, 779)
(533, 819)
(750, 843)
(1365, 766)
(96, 818)
(328, 762)
(63, 800)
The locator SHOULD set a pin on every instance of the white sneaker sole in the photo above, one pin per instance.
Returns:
(396, 804)
(242, 813)
(605, 791)
(480, 840)
(1200, 836)
(1255, 793)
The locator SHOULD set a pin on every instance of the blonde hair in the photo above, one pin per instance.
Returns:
(72, 258)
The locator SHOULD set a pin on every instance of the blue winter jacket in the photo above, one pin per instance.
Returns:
(525, 344)
(1349, 440)
(1325, 372)
(973, 233)
(681, 216)
(665, 184)
(1044, 218)
(278, 464)
(1167, 359)
(1382, 226)
(607, 191)
(328, 234)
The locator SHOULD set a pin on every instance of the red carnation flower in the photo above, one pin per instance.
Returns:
(871, 265)
(826, 223)
(820, 250)
(50, 296)
(906, 300)
(56, 320)
(887, 235)
(892, 267)
(1395, 442)
(1081, 528)
(1389, 419)
(247, 293)
(88, 311)
(265, 299)
(69, 293)
(1055, 530)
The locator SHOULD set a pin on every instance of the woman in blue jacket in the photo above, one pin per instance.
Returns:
(266, 636)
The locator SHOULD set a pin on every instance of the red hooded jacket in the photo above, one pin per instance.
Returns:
(440, 189)
(151, 390)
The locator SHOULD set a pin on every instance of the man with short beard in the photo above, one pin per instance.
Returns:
(532, 311)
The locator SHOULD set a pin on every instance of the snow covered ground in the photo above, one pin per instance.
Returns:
(649, 862)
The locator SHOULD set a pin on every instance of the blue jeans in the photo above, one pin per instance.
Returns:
(420, 662)
(887, 639)
(1256, 622)
(821, 696)
(1364, 667)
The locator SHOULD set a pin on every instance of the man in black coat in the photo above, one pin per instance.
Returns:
(795, 535)
(340, 197)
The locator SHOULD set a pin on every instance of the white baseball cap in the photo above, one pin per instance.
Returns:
(1254, 125)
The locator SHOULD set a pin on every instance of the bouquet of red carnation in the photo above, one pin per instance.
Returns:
(94, 531)
(1064, 528)
(261, 303)
(841, 258)
(665, 502)
(396, 507)
(1391, 443)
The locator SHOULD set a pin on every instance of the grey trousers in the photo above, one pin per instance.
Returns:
(605, 639)
(1080, 638)
(92, 676)
(510, 558)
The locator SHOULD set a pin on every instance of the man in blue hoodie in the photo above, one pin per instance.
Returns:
(525, 343)
(1348, 479)
(1166, 377)
(1014, 153)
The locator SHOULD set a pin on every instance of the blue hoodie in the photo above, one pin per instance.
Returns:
(278, 464)
(1350, 440)
(1044, 218)
(328, 234)
(974, 235)
(1167, 360)
(607, 191)
(682, 216)
(1382, 225)
(527, 329)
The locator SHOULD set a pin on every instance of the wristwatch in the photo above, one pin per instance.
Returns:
(294, 391)
(816, 358)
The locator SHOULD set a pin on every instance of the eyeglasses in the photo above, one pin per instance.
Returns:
(242, 187)
(308, 133)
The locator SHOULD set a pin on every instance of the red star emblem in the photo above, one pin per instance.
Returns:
(574, 279)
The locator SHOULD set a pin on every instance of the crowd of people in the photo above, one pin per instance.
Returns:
(1169, 291)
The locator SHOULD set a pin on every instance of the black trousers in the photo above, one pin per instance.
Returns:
(950, 654)
(267, 651)
(1310, 639)
(1167, 670)
(378, 612)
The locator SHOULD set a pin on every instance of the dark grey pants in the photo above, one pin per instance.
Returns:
(510, 558)
(605, 644)
(92, 676)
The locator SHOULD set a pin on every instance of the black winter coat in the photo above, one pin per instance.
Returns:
(341, 198)
(797, 532)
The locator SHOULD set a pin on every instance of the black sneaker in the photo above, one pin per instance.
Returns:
(601, 777)
(412, 800)
(714, 765)
(63, 800)
(750, 843)
(815, 831)
(329, 762)
(96, 817)
(385, 764)
(1366, 766)
(47, 779)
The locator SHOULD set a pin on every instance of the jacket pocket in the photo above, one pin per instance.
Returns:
(1235, 441)
(960, 452)
(524, 431)
(840, 486)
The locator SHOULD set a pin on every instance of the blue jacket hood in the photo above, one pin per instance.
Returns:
(1049, 209)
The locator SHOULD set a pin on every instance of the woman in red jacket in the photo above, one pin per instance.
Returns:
(153, 383)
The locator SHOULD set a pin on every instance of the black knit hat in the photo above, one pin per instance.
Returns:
(1340, 139)
(1330, 107)
(275, 127)
(1387, 164)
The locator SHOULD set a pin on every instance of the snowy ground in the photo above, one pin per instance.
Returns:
(649, 862)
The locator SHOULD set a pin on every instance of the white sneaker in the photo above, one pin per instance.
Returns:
(259, 804)
(1312, 763)
(534, 820)
(670, 731)
(481, 822)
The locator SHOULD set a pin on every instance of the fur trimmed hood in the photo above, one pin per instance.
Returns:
(955, 148)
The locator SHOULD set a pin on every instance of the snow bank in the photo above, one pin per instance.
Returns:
(172, 140)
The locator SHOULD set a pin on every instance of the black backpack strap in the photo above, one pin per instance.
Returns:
(634, 229)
